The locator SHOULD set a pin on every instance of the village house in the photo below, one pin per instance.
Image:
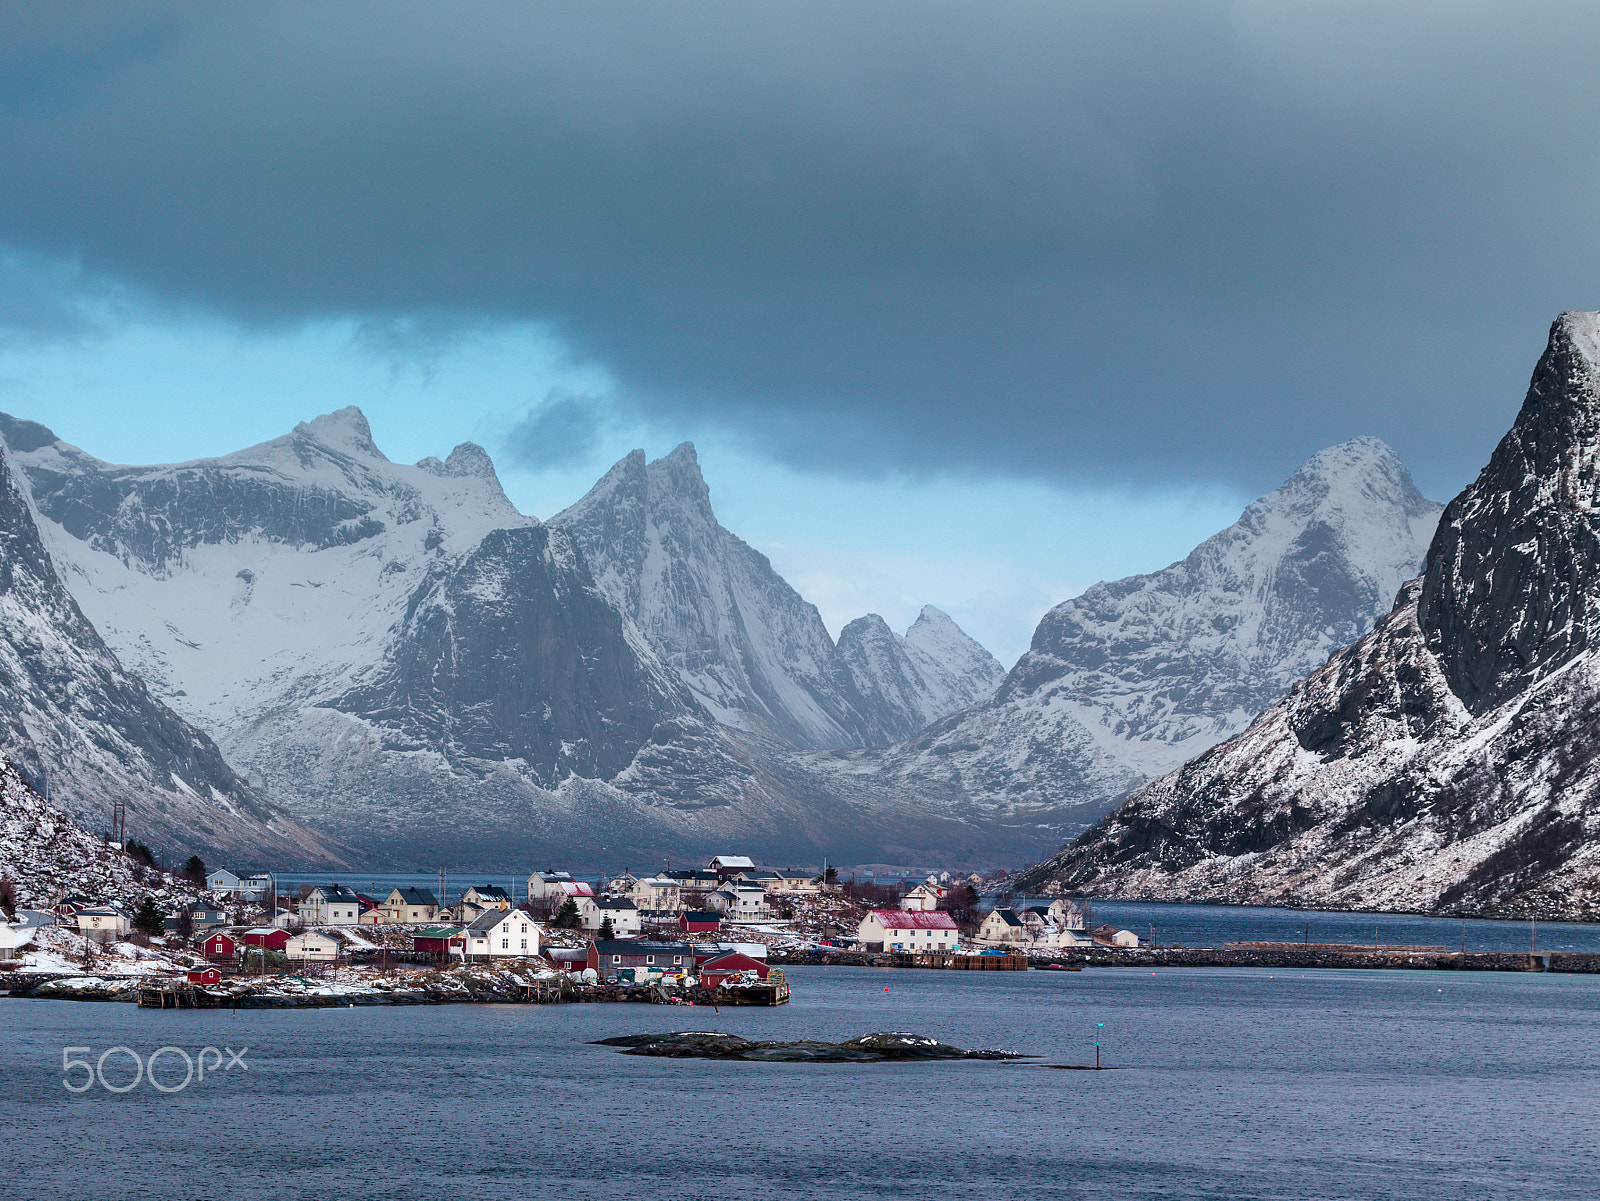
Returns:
(695, 921)
(487, 896)
(657, 894)
(542, 885)
(502, 934)
(249, 888)
(105, 923)
(1044, 931)
(907, 930)
(694, 886)
(624, 915)
(202, 916)
(924, 896)
(729, 866)
(607, 957)
(411, 905)
(313, 946)
(622, 884)
(740, 901)
(204, 975)
(219, 945)
(440, 940)
(13, 938)
(788, 881)
(334, 905)
(1111, 936)
(1003, 927)
(271, 938)
(1067, 914)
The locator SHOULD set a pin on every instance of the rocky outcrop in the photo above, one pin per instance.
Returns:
(1447, 761)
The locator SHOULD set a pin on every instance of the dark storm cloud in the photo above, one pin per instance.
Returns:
(1134, 240)
(562, 430)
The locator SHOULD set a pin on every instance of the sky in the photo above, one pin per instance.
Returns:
(962, 304)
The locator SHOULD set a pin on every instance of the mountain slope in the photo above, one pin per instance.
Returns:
(90, 734)
(1445, 762)
(403, 659)
(1129, 679)
(754, 651)
(909, 682)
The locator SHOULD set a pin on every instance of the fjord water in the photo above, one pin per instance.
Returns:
(1226, 1083)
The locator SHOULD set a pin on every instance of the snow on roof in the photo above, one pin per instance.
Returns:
(733, 861)
(913, 919)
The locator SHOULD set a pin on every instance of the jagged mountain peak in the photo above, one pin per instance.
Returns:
(343, 429)
(1512, 589)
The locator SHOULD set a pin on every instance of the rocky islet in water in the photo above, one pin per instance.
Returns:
(868, 1048)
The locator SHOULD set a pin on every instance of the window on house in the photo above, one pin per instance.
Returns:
(616, 959)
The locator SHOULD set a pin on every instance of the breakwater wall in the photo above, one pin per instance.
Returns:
(1286, 957)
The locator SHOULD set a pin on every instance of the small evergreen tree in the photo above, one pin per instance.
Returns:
(567, 916)
(607, 930)
(140, 853)
(149, 919)
(194, 870)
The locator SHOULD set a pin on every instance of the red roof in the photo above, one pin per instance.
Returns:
(914, 919)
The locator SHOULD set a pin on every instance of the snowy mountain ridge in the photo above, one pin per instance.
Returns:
(754, 651)
(1446, 762)
(1134, 676)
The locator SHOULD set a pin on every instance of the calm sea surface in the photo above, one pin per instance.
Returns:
(1227, 1084)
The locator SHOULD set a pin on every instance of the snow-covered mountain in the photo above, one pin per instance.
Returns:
(1133, 677)
(909, 682)
(89, 734)
(389, 649)
(402, 659)
(1447, 761)
(750, 647)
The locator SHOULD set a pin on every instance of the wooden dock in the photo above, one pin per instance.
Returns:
(958, 962)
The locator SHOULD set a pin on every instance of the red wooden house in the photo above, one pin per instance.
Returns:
(272, 938)
(693, 921)
(219, 945)
(713, 972)
(205, 975)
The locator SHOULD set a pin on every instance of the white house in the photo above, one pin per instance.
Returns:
(104, 923)
(740, 901)
(1003, 927)
(487, 896)
(334, 905)
(313, 946)
(1066, 914)
(502, 934)
(250, 887)
(14, 938)
(624, 915)
(657, 894)
(794, 883)
(923, 897)
(411, 905)
(908, 930)
(547, 884)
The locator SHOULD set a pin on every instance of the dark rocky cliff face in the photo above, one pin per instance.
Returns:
(513, 654)
(1512, 589)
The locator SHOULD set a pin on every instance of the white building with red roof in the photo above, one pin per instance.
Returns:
(908, 930)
